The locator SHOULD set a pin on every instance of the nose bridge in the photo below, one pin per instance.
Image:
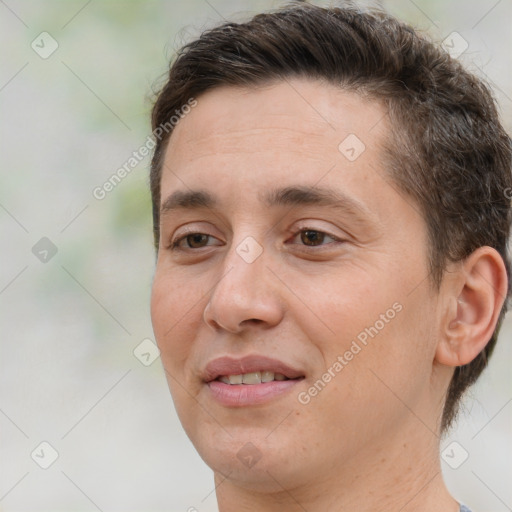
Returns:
(241, 294)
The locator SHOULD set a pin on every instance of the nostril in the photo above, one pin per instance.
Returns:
(252, 321)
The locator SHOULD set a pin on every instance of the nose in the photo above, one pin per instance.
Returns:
(246, 294)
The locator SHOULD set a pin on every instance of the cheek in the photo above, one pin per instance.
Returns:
(173, 316)
(373, 324)
(343, 304)
(173, 307)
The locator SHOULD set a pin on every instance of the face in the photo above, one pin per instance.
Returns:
(304, 263)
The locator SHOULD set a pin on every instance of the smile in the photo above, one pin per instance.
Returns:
(252, 378)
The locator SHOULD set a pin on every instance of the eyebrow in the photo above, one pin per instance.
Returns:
(299, 195)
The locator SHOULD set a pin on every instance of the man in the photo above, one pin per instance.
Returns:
(331, 221)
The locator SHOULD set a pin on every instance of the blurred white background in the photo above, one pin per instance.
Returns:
(71, 322)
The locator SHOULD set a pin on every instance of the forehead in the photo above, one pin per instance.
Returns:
(285, 119)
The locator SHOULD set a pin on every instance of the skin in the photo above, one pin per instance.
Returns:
(369, 441)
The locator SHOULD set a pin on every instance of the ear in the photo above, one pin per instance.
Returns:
(475, 296)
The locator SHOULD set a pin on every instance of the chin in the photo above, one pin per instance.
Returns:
(250, 460)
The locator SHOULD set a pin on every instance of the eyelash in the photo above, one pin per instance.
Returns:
(174, 245)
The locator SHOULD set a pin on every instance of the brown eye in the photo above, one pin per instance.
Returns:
(312, 237)
(196, 238)
(315, 238)
(192, 241)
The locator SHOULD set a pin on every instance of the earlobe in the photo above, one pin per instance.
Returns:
(473, 307)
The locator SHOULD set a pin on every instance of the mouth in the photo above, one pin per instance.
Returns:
(252, 380)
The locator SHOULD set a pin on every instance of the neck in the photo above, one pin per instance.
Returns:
(389, 475)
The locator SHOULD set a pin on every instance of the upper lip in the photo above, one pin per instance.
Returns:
(224, 366)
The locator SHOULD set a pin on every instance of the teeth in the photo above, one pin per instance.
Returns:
(235, 379)
(252, 378)
(267, 376)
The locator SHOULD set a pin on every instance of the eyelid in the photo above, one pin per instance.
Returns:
(174, 244)
(317, 248)
(306, 226)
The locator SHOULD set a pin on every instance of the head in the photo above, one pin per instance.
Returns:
(413, 279)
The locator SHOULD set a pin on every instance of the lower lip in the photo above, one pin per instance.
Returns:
(241, 395)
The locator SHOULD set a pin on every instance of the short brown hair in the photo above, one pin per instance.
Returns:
(447, 148)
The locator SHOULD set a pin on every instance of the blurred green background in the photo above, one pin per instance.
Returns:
(71, 321)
